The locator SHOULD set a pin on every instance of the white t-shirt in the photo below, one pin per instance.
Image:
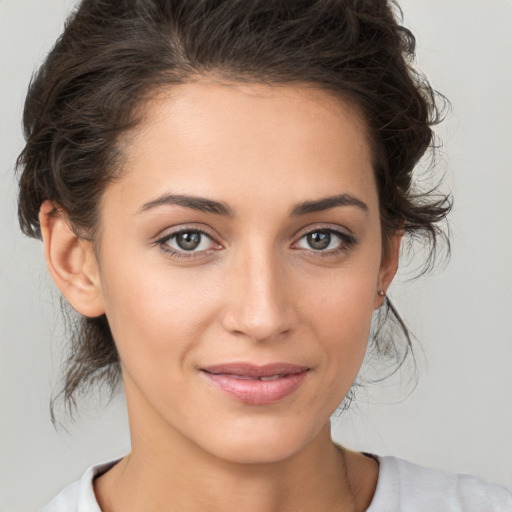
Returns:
(401, 487)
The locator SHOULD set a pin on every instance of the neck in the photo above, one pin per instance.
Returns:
(312, 479)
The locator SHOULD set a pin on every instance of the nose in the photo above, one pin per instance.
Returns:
(259, 304)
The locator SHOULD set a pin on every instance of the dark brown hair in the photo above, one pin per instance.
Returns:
(114, 54)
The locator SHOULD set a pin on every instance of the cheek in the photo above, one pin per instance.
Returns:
(343, 299)
(344, 324)
(337, 317)
(156, 316)
(340, 313)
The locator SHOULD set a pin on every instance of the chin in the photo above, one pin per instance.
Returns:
(261, 444)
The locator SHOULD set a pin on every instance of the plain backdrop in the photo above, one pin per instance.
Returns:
(459, 417)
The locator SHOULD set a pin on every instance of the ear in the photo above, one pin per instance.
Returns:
(71, 261)
(388, 267)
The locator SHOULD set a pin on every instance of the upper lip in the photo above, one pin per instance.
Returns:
(253, 370)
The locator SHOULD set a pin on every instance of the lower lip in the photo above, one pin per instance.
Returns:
(255, 391)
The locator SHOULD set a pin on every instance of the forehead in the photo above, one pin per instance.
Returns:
(238, 140)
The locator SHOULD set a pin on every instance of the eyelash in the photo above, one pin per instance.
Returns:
(346, 243)
(183, 254)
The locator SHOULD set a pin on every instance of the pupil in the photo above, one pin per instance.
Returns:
(188, 241)
(319, 240)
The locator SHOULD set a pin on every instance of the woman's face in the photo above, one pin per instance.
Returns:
(239, 264)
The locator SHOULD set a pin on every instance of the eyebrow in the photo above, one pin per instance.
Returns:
(327, 203)
(203, 204)
(196, 203)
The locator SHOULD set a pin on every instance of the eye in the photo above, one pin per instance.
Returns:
(190, 240)
(325, 240)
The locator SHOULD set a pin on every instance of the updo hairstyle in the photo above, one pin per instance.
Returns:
(115, 54)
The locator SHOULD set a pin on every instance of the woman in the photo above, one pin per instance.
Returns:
(222, 189)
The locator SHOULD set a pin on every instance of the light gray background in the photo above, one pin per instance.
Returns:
(460, 416)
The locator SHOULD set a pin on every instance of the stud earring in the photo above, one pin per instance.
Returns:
(381, 293)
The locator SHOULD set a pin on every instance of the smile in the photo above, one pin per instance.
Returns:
(256, 385)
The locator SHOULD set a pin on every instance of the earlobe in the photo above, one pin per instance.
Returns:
(388, 268)
(71, 261)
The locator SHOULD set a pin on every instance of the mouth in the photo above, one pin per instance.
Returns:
(256, 385)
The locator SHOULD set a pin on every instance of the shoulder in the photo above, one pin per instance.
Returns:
(67, 499)
(404, 486)
(79, 496)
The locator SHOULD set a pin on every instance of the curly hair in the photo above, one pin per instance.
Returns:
(114, 54)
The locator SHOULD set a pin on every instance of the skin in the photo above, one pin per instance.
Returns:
(255, 291)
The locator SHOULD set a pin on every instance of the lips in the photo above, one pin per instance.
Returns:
(256, 385)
